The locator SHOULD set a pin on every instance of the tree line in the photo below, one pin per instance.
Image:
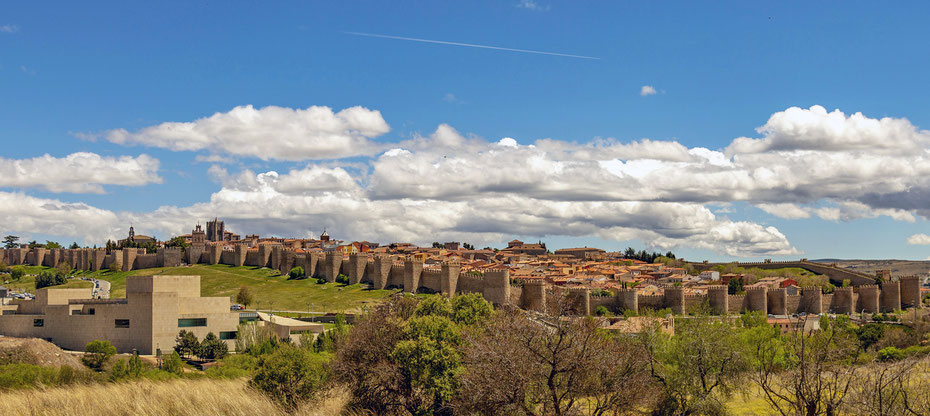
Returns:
(435, 355)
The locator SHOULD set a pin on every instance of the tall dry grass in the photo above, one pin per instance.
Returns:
(152, 398)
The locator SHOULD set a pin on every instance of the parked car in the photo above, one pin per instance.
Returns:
(236, 307)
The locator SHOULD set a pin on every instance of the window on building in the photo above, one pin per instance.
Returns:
(38, 322)
(191, 322)
(227, 334)
(91, 311)
(122, 323)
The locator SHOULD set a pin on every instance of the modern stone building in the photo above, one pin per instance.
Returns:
(148, 319)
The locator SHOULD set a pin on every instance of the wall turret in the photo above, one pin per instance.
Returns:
(719, 299)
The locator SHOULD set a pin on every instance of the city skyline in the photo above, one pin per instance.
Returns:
(730, 137)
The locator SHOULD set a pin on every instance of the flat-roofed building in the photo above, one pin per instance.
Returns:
(148, 319)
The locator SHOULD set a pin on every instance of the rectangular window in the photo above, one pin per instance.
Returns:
(247, 317)
(122, 323)
(191, 322)
(38, 322)
(227, 334)
(91, 311)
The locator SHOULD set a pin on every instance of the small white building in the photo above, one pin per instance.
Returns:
(710, 275)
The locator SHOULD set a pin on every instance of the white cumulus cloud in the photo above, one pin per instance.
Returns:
(647, 90)
(919, 239)
(80, 172)
(268, 133)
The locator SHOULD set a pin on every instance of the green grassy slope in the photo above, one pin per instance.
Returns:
(270, 289)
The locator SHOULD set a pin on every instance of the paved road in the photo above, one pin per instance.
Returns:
(103, 291)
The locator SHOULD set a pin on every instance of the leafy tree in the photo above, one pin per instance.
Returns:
(467, 246)
(52, 244)
(890, 354)
(177, 242)
(173, 364)
(329, 340)
(114, 267)
(342, 279)
(516, 365)
(63, 269)
(296, 272)
(469, 309)
(429, 361)
(17, 272)
(290, 376)
(245, 296)
(869, 335)
(698, 368)
(601, 310)
(48, 278)
(186, 343)
(735, 286)
(97, 353)
(119, 371)
(212, 348)
(74, 245)
(434, 305)
(135, 366)
(363, 362)
(437, 244)
(10, 241)
(808, 374)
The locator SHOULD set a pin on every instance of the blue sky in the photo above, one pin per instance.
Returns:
(73, 71)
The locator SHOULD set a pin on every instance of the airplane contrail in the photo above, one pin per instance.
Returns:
(471, 45)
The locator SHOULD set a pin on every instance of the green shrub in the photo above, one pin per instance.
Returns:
(434, 305)
(234, 366)
(869, 334)
(470, 308)
(97, 353)
(18, 376)
(917, 351)
(119, 371)
(17, 273)
(290, 376)
(212, 348)
(342, 279)
(173, 364)
(186, 343)
(48, 278)
(890, 354)
(296, 272)
(602, 311)
(321, 281)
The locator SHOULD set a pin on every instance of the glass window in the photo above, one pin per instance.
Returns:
(122, 323)
(191, 322)
(227, 334)
(38, 322)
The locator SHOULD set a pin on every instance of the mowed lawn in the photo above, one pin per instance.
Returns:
(271, 291)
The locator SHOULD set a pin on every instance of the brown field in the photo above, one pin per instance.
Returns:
(151, 398)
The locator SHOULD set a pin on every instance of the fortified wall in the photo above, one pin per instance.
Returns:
(386, 272)
(381, 271)
(836, 274)
(903, 293)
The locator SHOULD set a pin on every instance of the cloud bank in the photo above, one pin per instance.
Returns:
(806, 163)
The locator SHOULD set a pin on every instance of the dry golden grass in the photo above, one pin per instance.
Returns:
(177, 397)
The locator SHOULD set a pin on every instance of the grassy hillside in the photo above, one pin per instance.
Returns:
(28, 283)
(270, 289)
